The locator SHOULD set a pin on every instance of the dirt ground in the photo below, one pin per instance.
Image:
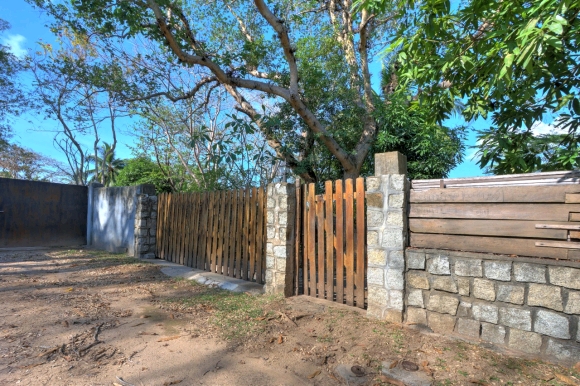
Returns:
(74, 317)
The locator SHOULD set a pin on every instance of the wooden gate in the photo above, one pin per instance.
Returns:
(331, 242)
(221, 232)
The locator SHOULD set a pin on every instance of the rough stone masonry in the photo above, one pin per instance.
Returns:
(529, 305)
(145, 222)
(280, 205)
(386, 237)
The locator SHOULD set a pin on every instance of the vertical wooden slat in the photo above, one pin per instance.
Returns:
(182, 228)
(214, 234)
(220, 233)
(239, 234)
(198, 225)
(186, 225)
(232, 234)
(305, 236)
(329, 229)
(260, 240)
(298, 238)
(193, 219)
(339, 242)
(312, 240)
(349, 256)
(174, 213)
(320, 258)
(226, 225)
(210, 217)
(245, 238)
(226, 234)
(196, 218)
(360, 243)
(253, 229)
(202, 233)
(167, 227)
(190, 230)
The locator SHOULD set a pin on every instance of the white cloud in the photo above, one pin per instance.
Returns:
(541, 128)
(16, 44)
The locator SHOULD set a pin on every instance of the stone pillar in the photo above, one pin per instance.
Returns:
(145, 222)
(386, 237)
(281, 204)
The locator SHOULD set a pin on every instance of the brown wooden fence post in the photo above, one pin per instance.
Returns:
(386, 196)
(280, 232)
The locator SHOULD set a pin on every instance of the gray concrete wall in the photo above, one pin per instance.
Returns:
(528, 305)
(113, 219)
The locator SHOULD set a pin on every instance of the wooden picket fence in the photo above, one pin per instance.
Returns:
(331, 242)
(221, 232)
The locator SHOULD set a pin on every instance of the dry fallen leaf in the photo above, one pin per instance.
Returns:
(169, 338)
(566, 379)
(314, 374)
(577, 367)
(172, 382)
(476, 382)
(392, 381)
(280, 339)
(394, 364)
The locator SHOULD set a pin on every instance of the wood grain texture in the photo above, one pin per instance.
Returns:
(502, 194)
(361, 246)
(298, 240)
(535, 212)
(572, 198)
(503, 228)
(339, 242)
(260, 239)
(329, 232)
(311, 240)
(349, 236)
(239, 234)
(501, 245)
(232, 234)
(320, 246)
(558, 244)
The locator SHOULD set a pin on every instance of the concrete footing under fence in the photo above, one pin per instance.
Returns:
(208, 278)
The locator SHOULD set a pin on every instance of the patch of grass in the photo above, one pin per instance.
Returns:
(464, 373)
(236, 314)
(398, 339)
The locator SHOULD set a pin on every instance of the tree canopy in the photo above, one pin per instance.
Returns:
(514, 62)
(298, 71)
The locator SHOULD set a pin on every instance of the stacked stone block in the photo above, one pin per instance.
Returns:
(526, 305)
(280, 206)
(145, 225)
(386, 238)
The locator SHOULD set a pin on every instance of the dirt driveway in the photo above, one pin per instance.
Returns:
(73, 317)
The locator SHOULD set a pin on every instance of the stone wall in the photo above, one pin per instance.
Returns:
(280, 206)
(386, 239)
(146, 226)
(529, 305)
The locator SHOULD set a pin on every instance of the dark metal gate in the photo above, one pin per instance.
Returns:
(34, 214)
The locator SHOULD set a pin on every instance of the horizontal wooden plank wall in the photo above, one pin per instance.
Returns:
(221, 232)
(523, 220)
(528, 179)
(331, 242)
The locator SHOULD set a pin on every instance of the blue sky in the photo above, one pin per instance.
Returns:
(33, 131)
